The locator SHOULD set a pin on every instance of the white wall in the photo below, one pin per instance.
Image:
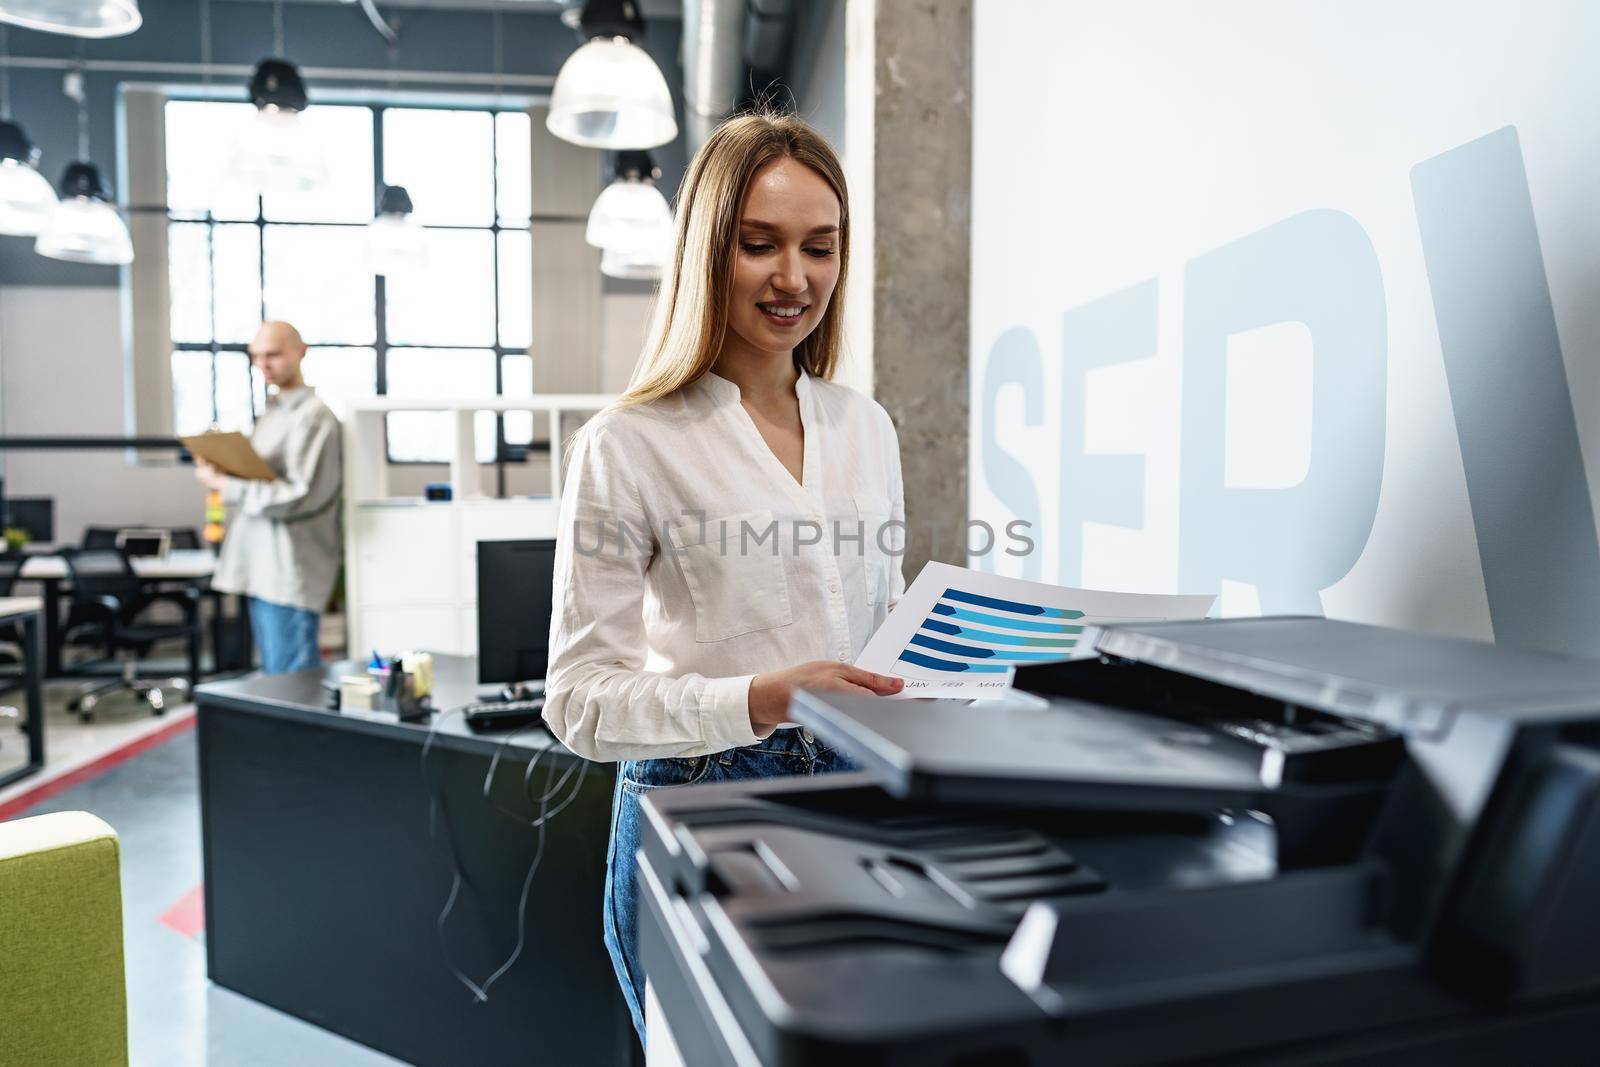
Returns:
(1295, 301)
(860, 166)
(61, 373)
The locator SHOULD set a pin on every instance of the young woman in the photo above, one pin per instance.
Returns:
(729, 529)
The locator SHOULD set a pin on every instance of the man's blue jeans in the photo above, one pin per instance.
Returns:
(286, 637)
(786, 752)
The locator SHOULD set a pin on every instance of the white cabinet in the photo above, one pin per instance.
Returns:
(466, 626)
(411, 566)
(405, 553)
(390, 630)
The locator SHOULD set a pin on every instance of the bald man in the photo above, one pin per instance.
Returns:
(284, 543)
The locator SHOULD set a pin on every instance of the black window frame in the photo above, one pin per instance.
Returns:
(504, 452)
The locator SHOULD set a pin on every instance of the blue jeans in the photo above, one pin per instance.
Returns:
(786, 752)
(286, 637)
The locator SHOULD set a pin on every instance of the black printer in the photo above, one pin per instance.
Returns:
(1280, 840)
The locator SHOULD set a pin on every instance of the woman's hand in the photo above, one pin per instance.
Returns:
(770, 692)
(209, 476)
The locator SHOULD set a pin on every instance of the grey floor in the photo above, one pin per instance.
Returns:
(176, 1018)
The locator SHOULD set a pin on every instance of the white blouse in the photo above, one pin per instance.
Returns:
(688, 560)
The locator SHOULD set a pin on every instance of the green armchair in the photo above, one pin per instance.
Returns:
(63, 998)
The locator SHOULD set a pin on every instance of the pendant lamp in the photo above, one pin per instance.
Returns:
(26, 198)
(610, 93)
(632, 266)
(275, 151)
(85, 227)
(75, 18)
(630, 215)
(395, 242)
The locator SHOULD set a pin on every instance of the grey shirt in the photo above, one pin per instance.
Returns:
(284, 541)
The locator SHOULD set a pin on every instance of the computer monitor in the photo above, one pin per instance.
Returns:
(35, 514)
(514, 594)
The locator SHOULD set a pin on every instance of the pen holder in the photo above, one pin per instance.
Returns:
(402, 693)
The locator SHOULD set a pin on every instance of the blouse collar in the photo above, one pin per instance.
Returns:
(724, 391)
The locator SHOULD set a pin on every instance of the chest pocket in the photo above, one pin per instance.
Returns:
(737, 584)
(877, 539)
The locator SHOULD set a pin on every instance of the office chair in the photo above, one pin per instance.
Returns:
(180, 537)
(100, 536)
(10, 567)
(11, 564)
(10, 632)
(107, 600)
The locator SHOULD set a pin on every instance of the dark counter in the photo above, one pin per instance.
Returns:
(324, 888)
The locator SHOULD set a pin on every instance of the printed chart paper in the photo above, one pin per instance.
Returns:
(961, 633)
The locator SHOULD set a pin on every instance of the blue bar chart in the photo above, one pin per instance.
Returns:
(982, 642)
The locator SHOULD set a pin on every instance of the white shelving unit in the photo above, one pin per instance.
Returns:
(411, 577)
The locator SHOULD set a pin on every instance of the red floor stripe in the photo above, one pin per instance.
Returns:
(93, 769)
(188, 915)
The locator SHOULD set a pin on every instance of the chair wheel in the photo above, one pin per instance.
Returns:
(157, 702)
(86, 716)
(74, 704)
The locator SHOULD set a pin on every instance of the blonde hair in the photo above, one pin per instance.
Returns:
(691, 310)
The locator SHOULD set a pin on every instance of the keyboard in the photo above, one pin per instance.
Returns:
(504, 714)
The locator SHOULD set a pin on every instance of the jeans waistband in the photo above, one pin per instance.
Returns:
(790, 741)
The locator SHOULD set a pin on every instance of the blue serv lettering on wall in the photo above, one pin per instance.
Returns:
(1514, 417)
(1508, 385)
(1317, 268)
(1117, 328)
(1014, 360)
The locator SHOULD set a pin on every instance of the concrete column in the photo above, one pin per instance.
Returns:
(909, 71)
(148, 298)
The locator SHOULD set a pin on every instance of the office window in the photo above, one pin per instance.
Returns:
(461, 326)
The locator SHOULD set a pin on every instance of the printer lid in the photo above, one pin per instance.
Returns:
(1392, 677)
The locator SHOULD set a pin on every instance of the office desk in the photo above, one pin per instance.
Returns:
(24, 611)
(179, 565)
(322, 886)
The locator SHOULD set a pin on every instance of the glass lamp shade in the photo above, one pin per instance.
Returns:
(84, 229)
(629, 216)
(76, 18)
(26, 199)
(395, 244)
(275, 152)
(610, 94)
(642, 266)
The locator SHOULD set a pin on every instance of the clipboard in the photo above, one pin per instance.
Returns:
(231, 454)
